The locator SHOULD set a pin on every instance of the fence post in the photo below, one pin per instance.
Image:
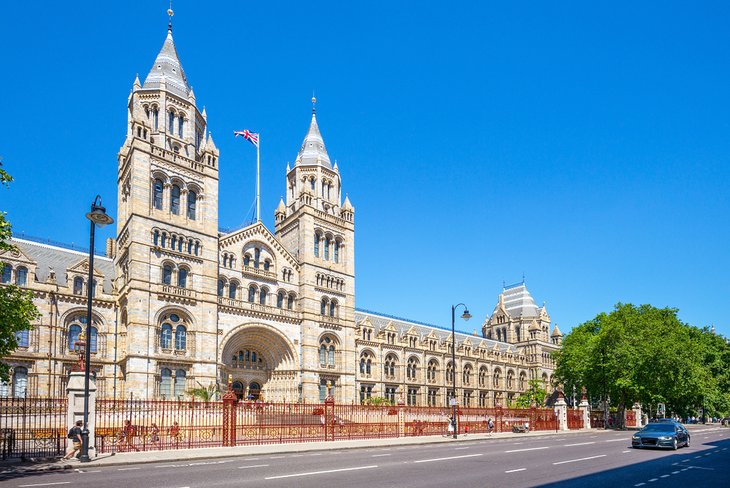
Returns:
(401, 417)
(75, 405)
(585, 408)
(230, 401)
(499, 415)
(561, 411)
(329, 414)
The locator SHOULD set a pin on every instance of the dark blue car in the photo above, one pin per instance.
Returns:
(669, 435)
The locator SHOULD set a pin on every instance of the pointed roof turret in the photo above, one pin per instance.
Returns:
(168, 67)
(556, 332)
(137, 85)
(313, 152)
(347, 205)
(281, 208)
(209, 144)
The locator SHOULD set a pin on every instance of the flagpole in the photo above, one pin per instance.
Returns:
(258, 182)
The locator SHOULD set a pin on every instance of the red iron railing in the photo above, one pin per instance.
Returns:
(32, 427)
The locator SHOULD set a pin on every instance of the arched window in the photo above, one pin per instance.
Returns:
(323, 307)
(389, 366)
(221, 287)
(482, 377)
(412, 368)
(78, 285)
(432, 368)
(167, 274)
(192, 200)
(327, 248)
(333, 308)
(522, 381)
(252, 293)
(262, 296)
(20, 382)
(496, 379)
(450, 372)
(163, 241)
(166, 336)
(280, 299)
(171, 123)
(366, 363)
(316, 244)
(190, 246)
(155, 118)
(197, 247)
(510, 379)
(337, 251)
(311, 184)
(7, 273)
(157, 194)
(173, 242)
(362, 365)
(267, 265)
(180, 377)
(21, 276)
(180, 126)
(175, 200)
(225, 260)
(165, 383)
(256, 257)
(327, 351)
(73, 335)
(182, 277)
(290, 302)
(247, 260)
(156, 237)
(232, 289)
(180, 338)
(93, 339)
(466, 374)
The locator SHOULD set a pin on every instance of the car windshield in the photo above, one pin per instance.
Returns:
(659, 428)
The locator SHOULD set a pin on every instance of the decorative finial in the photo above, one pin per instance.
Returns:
(314, 101)
(170, 13)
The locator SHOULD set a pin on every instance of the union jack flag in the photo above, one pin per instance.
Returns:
(252, 137)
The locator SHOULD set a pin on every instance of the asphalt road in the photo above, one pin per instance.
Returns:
(587, 459)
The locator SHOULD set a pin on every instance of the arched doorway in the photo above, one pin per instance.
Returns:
(261, 362)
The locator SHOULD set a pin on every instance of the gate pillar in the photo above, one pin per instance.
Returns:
(585, 408)
(561, 411)
(230, 402)
(329, 414)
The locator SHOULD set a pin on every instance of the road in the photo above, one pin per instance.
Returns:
(594, 459)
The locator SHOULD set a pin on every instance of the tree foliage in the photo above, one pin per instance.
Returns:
(205, 393)
(535, 394)
(646, 354)
(16, 305)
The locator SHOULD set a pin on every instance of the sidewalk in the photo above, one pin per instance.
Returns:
(125, 458)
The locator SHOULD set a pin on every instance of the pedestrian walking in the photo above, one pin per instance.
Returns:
(155, 435)
(450, 426)
(74, 433)
(175, 434)
(129, 432)
(490, 426)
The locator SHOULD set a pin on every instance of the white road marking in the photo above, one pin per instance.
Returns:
(253, 466)
(311, 473)
(447, 458)
(460, 448)
(616, 440)
(639, 484)
(675, 472)
(528, 449)
(579, 444)
(580, 459)
(47, 484)
(127, 469)
(664, 476)
(316, 454)
(622, 452)
(297, 455)
(206, 463)
(277, 457)
(653, 480)
(516, 470)
(380, 455)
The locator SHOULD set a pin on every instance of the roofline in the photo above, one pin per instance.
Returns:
(51, 244)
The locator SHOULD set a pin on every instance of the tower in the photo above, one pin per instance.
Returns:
(166, 254)
(319, 230)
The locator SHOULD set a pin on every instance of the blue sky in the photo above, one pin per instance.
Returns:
(584, 146)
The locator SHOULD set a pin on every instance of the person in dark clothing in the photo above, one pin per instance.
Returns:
(74, 433)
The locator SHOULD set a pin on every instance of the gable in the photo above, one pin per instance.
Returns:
(235, 241)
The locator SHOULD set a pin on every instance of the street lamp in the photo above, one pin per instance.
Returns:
(98, 217)
(466, 316)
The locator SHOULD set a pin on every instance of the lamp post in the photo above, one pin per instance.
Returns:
(466, 316)
(98, 217)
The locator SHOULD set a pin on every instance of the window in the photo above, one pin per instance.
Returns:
(157, 195)
(333, 308)
(326, 248)
(366, 363)
(311, 184)
(389, 366)
(323, 307)
(23, 338)
(180, 338)
(155, 118)
(256, 257)
(390, 394)
(466, 374)
(165, 383)
(180, 377)
(316, 245)
(78, 285)
(181, 124)
(247, 260)
(232, 289)
(262, 296)
(327, 351)
(251, 293)
(290, 302)
(192, 200)
(156, 237)
(221, 287)
(73, 336)
(432, 394)
(366, 391)
(450, 372)
(167, 274)
(21, 276)
(166, 336)
(182, 277)
(267, 265)
(197, 246)
(412, 368)
(173, 242)
(412, 396)
(20, 382)
(337, 251)
(280, 299)
(431, 371)
(93, 339)
(175, 200)
(171, 123)
(7, 273)
(163, 241)
(190, 246)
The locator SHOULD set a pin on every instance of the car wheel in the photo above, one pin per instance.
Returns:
(686, 444)
(674, 444)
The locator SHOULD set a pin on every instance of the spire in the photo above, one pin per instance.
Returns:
(137, 85)
(313, 152)
(281, 208)
(168, 67)
(347, 205)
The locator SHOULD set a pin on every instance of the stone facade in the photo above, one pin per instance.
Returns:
(179, 304)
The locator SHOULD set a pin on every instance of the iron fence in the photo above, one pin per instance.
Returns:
(32, 427)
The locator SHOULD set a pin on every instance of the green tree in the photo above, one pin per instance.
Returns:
(535, 394)
(640, 354)
(16, 305)
(205, 393)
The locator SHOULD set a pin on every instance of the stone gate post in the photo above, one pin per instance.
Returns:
(75, 405)
(638, 415)
(230, 404)
(561, 411)
(585, 408)
(329, 414)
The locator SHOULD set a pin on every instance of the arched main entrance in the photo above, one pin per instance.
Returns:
(262, 363)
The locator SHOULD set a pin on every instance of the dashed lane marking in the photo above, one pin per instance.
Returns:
(639, 484)
(579, 459)
(616, 440)
(253, 466)
(460, 448)
(528, 449)
(653, 480)
(127, 469)
(624, 452)
(675, 472)
(380, 455)
(664, 476)
(579, 444)
(312, 473)
(515, 470)
(47, 484)
(447, 458)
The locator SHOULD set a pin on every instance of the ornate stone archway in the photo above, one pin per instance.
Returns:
(258, 355)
